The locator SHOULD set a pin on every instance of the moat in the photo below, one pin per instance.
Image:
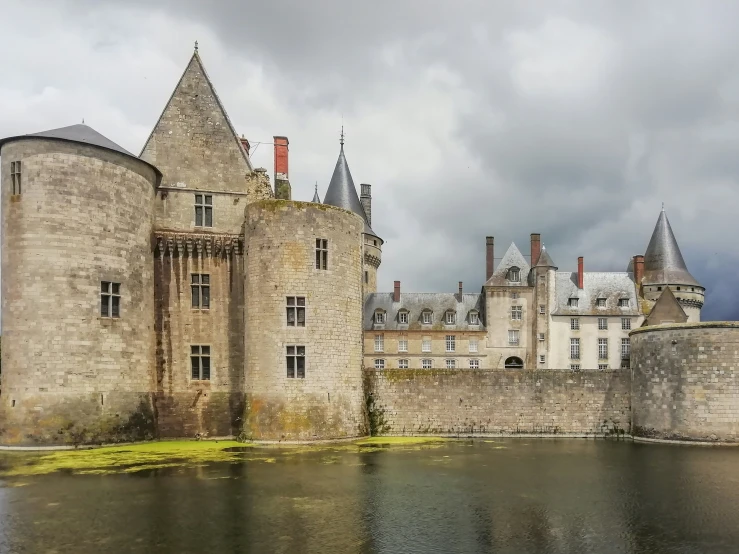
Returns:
(517, 495)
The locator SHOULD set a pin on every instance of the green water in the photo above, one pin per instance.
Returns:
(564, 496)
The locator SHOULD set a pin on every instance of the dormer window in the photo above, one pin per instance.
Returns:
(379, 317)
(572, 302)
(449, 317)
(403, 317)
(426, 317)
(623, 302)
(601, 302)
(514, 275)
(474, 318)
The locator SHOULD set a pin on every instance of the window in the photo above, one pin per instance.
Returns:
(542, 309)
(379, 363)
(659, 289)
(402, 364)
(379, 343)
(451, 343)
(625, 348)
(602, 367)
(296, 362)
(623, 302)
(575, 349)
(625, 323)
(203, 210)
(602, 323)
(366, 277)
(200, 285)
(602, 349)
(427, 364)
(601, 302)
(574, 367)
(426, 345)
(572, 302)
(515, 296)
(451, 364)
(449, 318)
(110, 299)
(514, 275)
(403, 317)
(678, 288)
(541, 358)
(516, 312)
(575, 323)
(15, 176)
(541, 337)
(514, 363)
(473, 345)
(200, 362)
(625, 364)
(426, 317)
(403, 345)
(296, 311)
(513, 337)
(321, 253)
(379, 317)
(474, 364)
(474, 318)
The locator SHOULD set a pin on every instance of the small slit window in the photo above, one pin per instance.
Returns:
(15, 176)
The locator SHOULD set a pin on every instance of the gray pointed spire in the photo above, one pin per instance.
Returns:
(545, 260)
(316, 198)
(663, 262)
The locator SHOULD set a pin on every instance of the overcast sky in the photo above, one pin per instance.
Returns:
(572, 119)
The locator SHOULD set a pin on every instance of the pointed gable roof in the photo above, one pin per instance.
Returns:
(666, 309)
(316, 198)
(663, 262)
(511, 258)
(342, 193)
(545, 260)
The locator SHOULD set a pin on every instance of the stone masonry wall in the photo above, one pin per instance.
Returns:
(686, 381)
(470, 402)
(84, 216)
(280, 262)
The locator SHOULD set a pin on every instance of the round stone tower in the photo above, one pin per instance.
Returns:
(77, 289)
(303, 339)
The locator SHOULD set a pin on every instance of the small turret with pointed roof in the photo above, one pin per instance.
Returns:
(316, 198)
(545, 260)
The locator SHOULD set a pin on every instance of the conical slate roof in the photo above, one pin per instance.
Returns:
(663, 262)
(545, 260)
(316, 198)
(342, 192)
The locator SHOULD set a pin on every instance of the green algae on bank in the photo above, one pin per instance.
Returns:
(399, 441)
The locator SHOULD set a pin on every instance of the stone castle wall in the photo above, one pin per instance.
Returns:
(470, 402)
(686, 381)
(84, 216)
(280, 262)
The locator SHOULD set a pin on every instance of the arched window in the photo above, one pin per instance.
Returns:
(514, 274)
(514, 363)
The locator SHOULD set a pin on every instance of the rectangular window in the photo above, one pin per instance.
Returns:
(574, 367)
(379, 343)
(110, 299)
(203, 210)
(296, 362)
(513, 337)
(427, 364)
(541, 337)
(426, 345)
(575, 323)
(541, 358)
(450, 318)
(542, 309)
(451, 364)
(402, 345)
(200, 286)
(515, 296)
(602, 323)
(379, 363)
(200, 362)
(625, 364)
(516, 312)
(321, 253)
(15, 176)
(474, 364)
(403, 318)
(601, 302)
(602, 367)
(625, 348)
(380, 317)
(366, 277)
(426, 317)
(295, 311)
(451, 343)
(474, 318)
(402, 364)
(473, 345)
(572, 302)
(623, 303)
(575, 349)
(625, 323)
(602, 349)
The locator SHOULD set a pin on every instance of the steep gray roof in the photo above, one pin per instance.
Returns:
(663, 262)
(511, 258)
(316, 198)
(545, 260)
(343, 194)
(609, 285)
(417, 302)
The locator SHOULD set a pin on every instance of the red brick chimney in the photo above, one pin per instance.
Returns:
(535, 248)
(489, 259)
(281, 172)
(245, 144)
(638, 269)
(579, 272)
(396, 292)
(460, 291)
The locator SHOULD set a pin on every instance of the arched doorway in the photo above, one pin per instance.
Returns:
(514, 363)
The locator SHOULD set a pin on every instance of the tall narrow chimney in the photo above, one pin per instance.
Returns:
(489, 259)
(396, 292)
(535, 248)
(282, 181)
(579, 272)
(638, 270)
(245, 144)
(460, 291)
(365, 197)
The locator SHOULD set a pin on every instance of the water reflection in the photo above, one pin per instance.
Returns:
(506, 496)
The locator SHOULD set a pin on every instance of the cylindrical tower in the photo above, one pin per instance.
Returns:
(77, 290)
(372, 259)
(303, 339)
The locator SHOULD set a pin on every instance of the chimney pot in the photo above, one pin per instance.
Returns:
(580, 272)
(281, 158)
(638, 270)
(396, 292)
(366, 199)
(489, 259)
(535, 248)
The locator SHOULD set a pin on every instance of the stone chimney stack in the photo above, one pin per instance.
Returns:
(580, 272)
(535, 248)
(396, 292)
(282, 179)
(245, 144)
(460, 291)
(489, 259)
(365, 198)
(638, 270)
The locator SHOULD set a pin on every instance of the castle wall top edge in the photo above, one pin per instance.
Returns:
(685, 326)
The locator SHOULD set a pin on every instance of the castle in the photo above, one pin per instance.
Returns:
(176, 294)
